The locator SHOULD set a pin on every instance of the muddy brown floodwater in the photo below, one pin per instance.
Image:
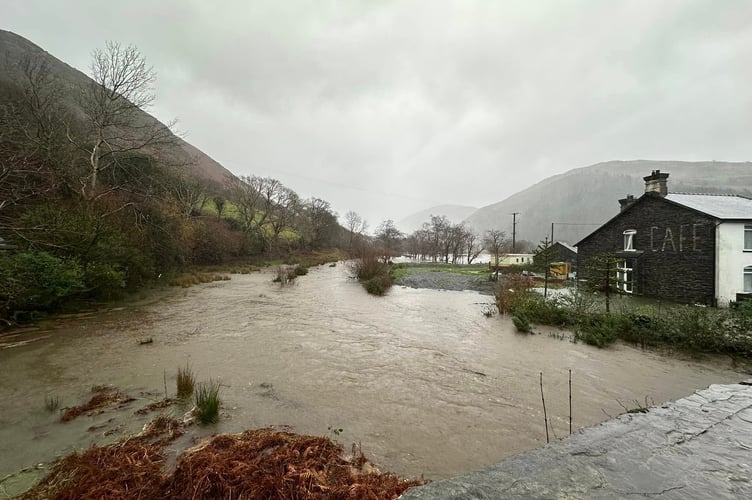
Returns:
(421, 378)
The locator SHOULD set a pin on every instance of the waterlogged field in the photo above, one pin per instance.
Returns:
(420, 378)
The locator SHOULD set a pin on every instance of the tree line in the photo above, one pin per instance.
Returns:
(440, 240)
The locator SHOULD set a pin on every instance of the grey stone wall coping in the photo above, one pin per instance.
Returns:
(696, 447)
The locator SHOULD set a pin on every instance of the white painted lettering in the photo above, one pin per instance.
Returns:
(668, 237)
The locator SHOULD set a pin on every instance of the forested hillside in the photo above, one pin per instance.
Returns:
(98, 197)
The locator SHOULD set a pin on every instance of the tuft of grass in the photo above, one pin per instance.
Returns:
(185, 382)
(51, 403)
(207, 402)
(300, 270)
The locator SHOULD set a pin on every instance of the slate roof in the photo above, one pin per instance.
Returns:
(720, 206)
(567, 246)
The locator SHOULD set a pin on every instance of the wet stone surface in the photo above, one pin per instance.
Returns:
(697, 447)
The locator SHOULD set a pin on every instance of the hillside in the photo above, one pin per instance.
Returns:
(455, 213)
(14, 48)
(581, 199)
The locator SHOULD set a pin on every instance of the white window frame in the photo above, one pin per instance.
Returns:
(629, 237)
(747, 276)
(624, 276)
(748, 237)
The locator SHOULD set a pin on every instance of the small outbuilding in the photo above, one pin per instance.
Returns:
(691, 248)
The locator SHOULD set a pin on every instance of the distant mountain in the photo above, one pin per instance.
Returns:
(15, 48)
(581, 199)
(455, 213)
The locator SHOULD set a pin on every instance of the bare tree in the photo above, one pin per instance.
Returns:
(494, 241)
(189, 193)
(284, 209)
(246, 194)
(389, 238)
(114, 127)
(219, 203)
(318, 223)
(355, 225)
(473, 247)
(439, 227)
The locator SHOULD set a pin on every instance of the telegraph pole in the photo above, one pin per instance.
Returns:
(514, 231)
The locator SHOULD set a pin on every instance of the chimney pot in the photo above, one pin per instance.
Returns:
(627, 202)
(656, 183)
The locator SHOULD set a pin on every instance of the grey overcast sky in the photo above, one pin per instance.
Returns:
(389, 107)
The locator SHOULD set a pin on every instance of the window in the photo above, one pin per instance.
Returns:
(748, 279)
(629, 235)
(748, 238)
(624, 276)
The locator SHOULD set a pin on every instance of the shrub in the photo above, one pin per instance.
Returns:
(300, 270)
(378, 285)
(374, 274)
(104, 280)
(522, 324)
(37, 281)
(599, 330)
(207, 402)
(368, 266)
(511, 290)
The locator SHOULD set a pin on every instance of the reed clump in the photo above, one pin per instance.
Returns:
(51, 403)
(185, 382)
(207, 402)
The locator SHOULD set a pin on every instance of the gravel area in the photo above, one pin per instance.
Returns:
(444, 280)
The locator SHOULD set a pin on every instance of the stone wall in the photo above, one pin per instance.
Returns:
(674, 255)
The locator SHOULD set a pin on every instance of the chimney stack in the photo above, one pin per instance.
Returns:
(627, 202)
(656, 183)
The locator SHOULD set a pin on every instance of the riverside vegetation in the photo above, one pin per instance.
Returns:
(685, 327)
(99, 199)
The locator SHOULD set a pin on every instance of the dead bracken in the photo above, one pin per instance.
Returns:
(103, 396)
(262, 463)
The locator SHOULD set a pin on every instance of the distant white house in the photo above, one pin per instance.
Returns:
(514, 259)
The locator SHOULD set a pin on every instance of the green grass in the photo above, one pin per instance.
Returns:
(207, 402)
(185, 382)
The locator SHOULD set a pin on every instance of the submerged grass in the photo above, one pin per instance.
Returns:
(207, 402)
(103, 397)
(186, 280)
(51, 403)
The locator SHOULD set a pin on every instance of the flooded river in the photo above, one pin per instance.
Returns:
(421, 378)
